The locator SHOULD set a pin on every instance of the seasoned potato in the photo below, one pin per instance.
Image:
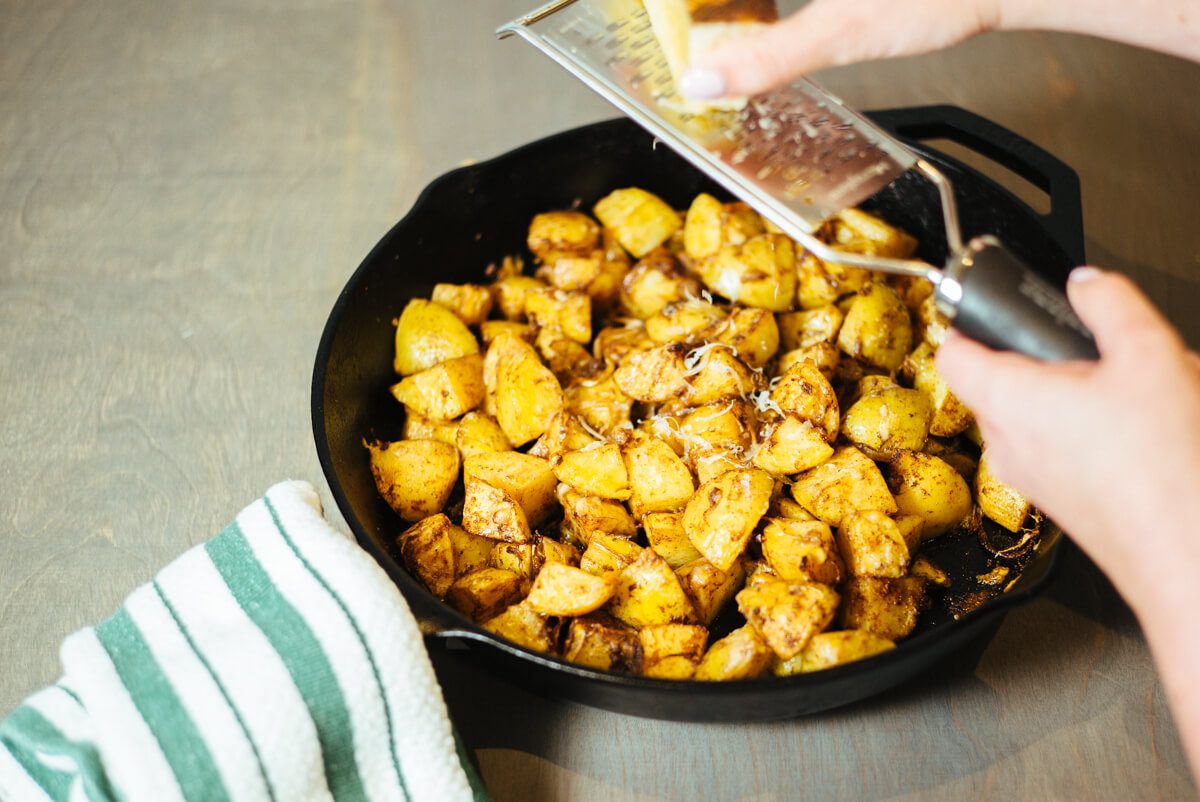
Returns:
(845, 482)
(680, 320)
(445, 391)
(570, 312)
(724, 512)
(871, 544)
(600, 641)
(429, 553)
(664, 531)
(561, 589)
(672, 651)
(886, 422)
(885, 607)
(428, 334)
(527, 394)
(510, 294)
(711, 225)
(653, 376)
(752, 333)
(608, 553)
(654, 282)
(710, 588)
(471, 302)
(804, 391)
(801, 551)
(785, 614)
(640, 220)
(742, 654)
(659, 481)
(478, 433)
(928, 487)
(565, 433)
(829, 649)
(950, 416)
(491, 329)
(877, 328)
(614, 344)
(824, 357)
(471, 552)
(721, 426)
(862, 232)
(759, 273)
(924, 568)
(565, 357)
(418, 427)
(526, 559)
(599, 402)
(415, 477)
(784, 507)
(597, 471)
(810, 326)
(526, 627)
(999, 501)
(648, 593)
(910, 527)
(791, 446)
(585, 515)
(552, 234)
(489, 511)
(485, 592)
(815, 286)
(714, 373)
(526, 479)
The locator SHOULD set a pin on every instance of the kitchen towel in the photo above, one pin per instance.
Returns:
(274, 663)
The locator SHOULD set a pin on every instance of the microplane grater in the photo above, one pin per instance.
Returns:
(799, 155)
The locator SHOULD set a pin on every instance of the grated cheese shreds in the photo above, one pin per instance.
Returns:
(692, 360)
(590, 430)
(764, 403)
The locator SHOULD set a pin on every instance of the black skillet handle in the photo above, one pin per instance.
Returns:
(1003, 304)
(1064, 221)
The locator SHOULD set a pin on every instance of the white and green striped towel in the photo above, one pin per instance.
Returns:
(274, 663)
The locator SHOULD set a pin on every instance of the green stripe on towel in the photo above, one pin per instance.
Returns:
(300, 652)
(28, 732)
(158, 704)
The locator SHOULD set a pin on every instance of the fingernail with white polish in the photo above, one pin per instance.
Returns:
(1082, 274)
(702, 83)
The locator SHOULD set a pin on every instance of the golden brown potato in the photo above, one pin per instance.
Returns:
(925, 568)
(702, 235)
(596, 471)
(806, 392)
(491, 329)
(485, 593)
(613, 344)
(526, 627)
(428, 334)
(886, 607)
(713, 373)
(471, 552)
(752, 333)
(445, 391)
(429, 553)
(910, 529)
(561, 589)
(489, 511)
(585, 515)
(726, 425)
(478, 433)
(931, 325)
(888, 421)
(825, 357)
(877, 329)
(664, 532)
(759, 273)
(600, 641)
(815, 286)
(681, 320)
(510, 294)
(653, 376)
(871, 544)
(570, 312)
(640, 220)
(566, 358)
(929, 487)
(801, 551)
(648, 592)
(830, 649)
(999, 501)
(723, 513)
(710, 588)
(556, 233)
(528, 480)
(654, 282)
(785, 614)
(862, 232)
(526, 559)
(415, 477)
(742, 654)
(599, 402)
(950, 416)
(845, 482)
(565, 433)
(472, 303)
(672, 651)
(527, 395)
(418, 427)
(784, 507)
(791, 446)
(659, 481)
(607, 553)
(810, 326)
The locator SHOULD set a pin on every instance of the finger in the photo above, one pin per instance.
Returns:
(1120, 317)
(988, 382)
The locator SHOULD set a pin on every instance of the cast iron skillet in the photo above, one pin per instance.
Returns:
(476, 215)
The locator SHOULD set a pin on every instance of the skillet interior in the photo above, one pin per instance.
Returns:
(474, 216)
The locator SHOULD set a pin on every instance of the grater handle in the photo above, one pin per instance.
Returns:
(1003, 304)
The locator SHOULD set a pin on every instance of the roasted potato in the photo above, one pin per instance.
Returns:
(672, 651)
(485, 592)
(478, 434)
(846, 482)
(871, 544)
(415, 477)
(753, 335)
(659, 481)
(885, 607)
(608, 553)
(640, 220)
(649, 593)
(526, 627)
(472, 303)
(888, 421)
(528, 480)
(560, 589)
(791, 446)
(877, 328)
(787, 614)
(809, 327)
(927, 486)
(527, 395)
(742, 654)
(724, 512)
(585, 515)
(950, 416)
(999, 501)
(445, 391)
(664, 532)
(428, 334)
(600, 641)
(597, 470)
(489, 511)
(710, 588)
(599, 402)
(759, 273)
(829, 649)
(801, 551)
(654, 282)
(806, 392)
(428, 553)
(554, 234)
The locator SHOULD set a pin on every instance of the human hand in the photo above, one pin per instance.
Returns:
(1110, 450)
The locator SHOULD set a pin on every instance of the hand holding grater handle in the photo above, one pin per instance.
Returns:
(993, 297)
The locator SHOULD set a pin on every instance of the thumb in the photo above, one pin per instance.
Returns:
(1122, 319)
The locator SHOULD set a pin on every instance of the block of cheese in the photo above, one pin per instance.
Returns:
(687, 29)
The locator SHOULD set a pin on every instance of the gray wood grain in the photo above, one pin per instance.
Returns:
(184, 187)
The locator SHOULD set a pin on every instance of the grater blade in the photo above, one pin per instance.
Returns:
(797, 154)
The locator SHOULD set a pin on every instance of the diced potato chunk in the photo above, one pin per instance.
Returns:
(926, 569)
(825, 357)
(672, 651)
(478, 434)
(877, 329)
(445, 391)
(415, 477)
(585, 515)
(470, 551)
(950, 416)
(640, 220)
(664, 531)
(527, 394)
(886, 607)
(563, 590)
(884, 423)
(570, 312)
(742, 654)
(648, 592)
(717, 374)
(491, 329)
(846, 482)
(759, 273)
(805, 391)
(429, 553)
(710, 588)
(791, 446)
(931, 488)
(999, 501)
(428, 334)
(567, 232)
(565, 433)
(752, 333)
(596, 471)
(599, 641)
(723, 513)
(471, 302)
(526, 627)
(653, 376)
(599, 402)
(485, 593)
(526, 479)
(863, 232)
(870, 543)
(489, 511)
(810, 326)
(654, 282)
(830, 649)
(419, 427)
(680, 320)
(510, 294)
(801, 551)
(787, 615)
(659, 480)
(607, 553)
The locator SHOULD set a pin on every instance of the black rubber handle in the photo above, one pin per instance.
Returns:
(1007, 306)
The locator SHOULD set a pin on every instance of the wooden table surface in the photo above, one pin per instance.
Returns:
(184, 188)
